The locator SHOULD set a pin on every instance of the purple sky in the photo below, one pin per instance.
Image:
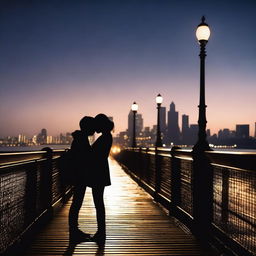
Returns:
(63, 60)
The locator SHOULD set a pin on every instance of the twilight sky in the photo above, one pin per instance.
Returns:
(62, 60)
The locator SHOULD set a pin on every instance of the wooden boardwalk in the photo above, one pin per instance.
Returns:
(135, 226)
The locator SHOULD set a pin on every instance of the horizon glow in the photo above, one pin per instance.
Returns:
(60, 62)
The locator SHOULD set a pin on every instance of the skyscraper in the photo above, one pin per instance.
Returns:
(42, 137)
(193, 134)
(163, 119)
(224, 134)
(242, 131)
(139, 124)
(173, 131)
(185, 129)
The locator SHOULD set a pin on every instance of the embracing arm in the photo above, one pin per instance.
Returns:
(102, 146)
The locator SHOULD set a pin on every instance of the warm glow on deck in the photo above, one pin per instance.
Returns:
(115, 150)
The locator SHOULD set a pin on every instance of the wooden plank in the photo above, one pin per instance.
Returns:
(135, 226)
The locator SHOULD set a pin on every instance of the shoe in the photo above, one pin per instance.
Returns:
(78, 236)
(99, 237)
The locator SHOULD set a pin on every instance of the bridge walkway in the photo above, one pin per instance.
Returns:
(135, 226)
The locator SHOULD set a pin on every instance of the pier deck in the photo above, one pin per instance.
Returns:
(135, 226)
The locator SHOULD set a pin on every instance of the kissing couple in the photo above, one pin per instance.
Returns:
(90, 169)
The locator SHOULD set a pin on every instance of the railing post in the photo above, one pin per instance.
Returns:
(175, 182)
(147, 165)
(202, 185)
(47, 179)
(63, 179)
(140, 163)
(157, 175)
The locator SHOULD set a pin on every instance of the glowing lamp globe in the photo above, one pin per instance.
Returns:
(135, 107)
(159, 99)
(203, 31)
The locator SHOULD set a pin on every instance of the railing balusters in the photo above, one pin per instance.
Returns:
(223, 207)
(157, 174)
(225, 196)
(26, 194)
(175, 183)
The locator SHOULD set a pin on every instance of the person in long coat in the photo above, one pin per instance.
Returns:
(81, 152)
(100, 173)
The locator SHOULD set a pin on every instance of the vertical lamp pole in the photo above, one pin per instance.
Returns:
(134, 110)
(202, 34)
(159, 100)
(202, 170)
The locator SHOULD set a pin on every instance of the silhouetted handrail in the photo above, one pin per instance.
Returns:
(31, 185)
(213, 193)
(14, 157)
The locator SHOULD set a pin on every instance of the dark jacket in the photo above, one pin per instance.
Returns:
(82, 156)
(100, 171)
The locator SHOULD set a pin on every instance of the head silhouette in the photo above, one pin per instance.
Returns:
(103, 124)
(87, 125)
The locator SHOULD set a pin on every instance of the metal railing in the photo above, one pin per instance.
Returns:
(213, 193)
(30, 187)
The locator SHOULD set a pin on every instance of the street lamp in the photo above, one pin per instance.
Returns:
(202, 34)
(134, 110)
(159, 100)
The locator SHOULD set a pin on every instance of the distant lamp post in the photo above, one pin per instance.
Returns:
(202, 34)
(134, 110)
(159, 100)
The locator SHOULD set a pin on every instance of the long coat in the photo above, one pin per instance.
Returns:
(101, 148)
(81, 152)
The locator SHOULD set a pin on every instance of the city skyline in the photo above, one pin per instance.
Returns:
(63, 61)
(164, 123)
(183, 124)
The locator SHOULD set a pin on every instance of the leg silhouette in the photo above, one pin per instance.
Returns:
(97, 193)
(76, 235)
(78, 197)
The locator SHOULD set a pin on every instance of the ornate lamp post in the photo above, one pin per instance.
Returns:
(134, 110)
(202, 34)
(159, 100)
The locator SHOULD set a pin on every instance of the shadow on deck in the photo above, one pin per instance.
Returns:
(135, 226)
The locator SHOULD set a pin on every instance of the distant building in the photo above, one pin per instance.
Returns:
(147, 131)
(122, 139)
(139, 124)
(173, 131)
(224, 134)
(185, 129)
(163, 119)
(193, 134)
(42, 137)
(69, 138)
(242, 131)
(62, 139)
(34, 139)
(49, 139)
(130, 124)
(22, 138)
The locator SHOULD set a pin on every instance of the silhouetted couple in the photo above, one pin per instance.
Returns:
(90, 170)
